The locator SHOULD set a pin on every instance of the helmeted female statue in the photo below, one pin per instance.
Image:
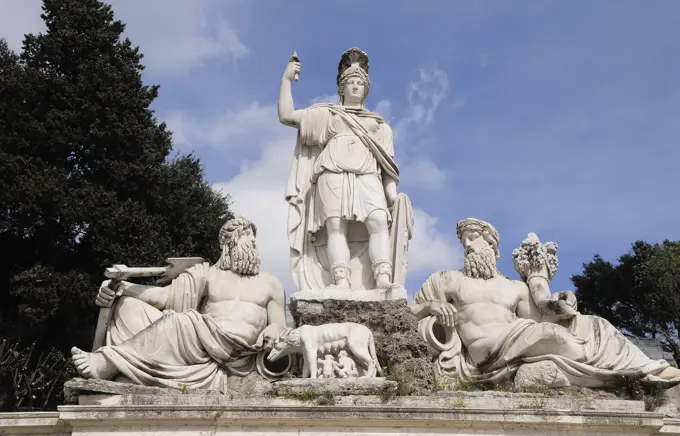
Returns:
(347, 226)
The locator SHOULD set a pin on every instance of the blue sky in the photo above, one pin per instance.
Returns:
(561, 118)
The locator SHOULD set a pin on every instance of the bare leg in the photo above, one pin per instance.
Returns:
(379, 248)
(338, 251)
(92, 365)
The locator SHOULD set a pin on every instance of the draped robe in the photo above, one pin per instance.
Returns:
(609, 355)
(185, 349)
(337, 172)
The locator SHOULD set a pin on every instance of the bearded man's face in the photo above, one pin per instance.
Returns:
(240, 254)
(480, 257)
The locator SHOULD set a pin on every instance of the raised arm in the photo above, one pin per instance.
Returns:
(288, 116)
(537, 263)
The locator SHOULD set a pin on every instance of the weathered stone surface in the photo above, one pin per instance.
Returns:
(451, 413)
(93, 391)
(544, 374)
(404, 356)
(396, 293)
(252, 385)
(352, 386)
(80, 386)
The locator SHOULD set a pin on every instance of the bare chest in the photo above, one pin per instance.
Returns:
(497, 292)
(227, 286)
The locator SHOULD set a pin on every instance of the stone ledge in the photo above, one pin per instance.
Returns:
(537, 401)
(319, 296)
(278, 417)
(80, 386)
(350, 416)
(352, 386)
(32, 423)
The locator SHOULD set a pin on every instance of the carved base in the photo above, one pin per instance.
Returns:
(350, 386)
(404, 356)
(79, 387)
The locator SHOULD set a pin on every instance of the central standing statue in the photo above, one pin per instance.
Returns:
(347, 226)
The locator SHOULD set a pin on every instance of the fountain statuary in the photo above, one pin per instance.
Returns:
(348, 228)
(486, 326)
(210, 323)
(356, 339)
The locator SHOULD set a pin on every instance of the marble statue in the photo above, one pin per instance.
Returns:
(208, 322)
(345, 367)
(485, 326)
(348, 228)
(314, 341)
(326, 367)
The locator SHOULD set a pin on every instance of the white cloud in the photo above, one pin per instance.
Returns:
(221, 131)
(257, 192)
(174, 35)
(431, 249)
(384, 109)
(424, 173)
(330, 98)
(424, 97)
(179, 35)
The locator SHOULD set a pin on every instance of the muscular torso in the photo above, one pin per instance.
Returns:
(238, 303)
(486, 309)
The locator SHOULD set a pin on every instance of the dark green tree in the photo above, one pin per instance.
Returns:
(87, 176)
(640, 294)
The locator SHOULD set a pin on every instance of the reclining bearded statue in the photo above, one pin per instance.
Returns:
(209, 322)
(486, 326)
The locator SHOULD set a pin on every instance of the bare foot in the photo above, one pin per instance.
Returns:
(670, 373)
(91, 365)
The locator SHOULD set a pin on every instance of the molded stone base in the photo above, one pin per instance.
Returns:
(349, 386)
(91, 391)
(453, 413)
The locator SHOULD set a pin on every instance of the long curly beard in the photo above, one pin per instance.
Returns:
(481, 264)
(243, 259)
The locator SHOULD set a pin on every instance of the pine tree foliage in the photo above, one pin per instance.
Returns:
(88, 176)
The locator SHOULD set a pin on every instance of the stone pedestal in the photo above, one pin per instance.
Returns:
(323, 387)
(403, 355)
(453, 413)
